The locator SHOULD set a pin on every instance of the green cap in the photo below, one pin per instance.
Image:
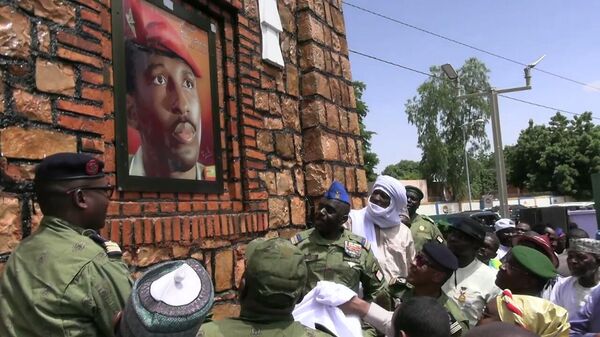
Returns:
(534, 261)
(275, 272)
(414, 189)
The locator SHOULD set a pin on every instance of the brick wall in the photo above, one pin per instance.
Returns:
(286, 133)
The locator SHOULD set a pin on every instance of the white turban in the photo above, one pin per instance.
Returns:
(390, 216)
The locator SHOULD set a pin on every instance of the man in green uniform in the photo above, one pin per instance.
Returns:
(422, 227)
(335, 254)
(271, 286)
(65, 280)
(428, 272)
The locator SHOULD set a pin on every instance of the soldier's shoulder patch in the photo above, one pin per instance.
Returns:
(379, 275)
(352, 249)
(365, 243)
(296, 239)
(439, 239)
(111, 248)
(428, 219)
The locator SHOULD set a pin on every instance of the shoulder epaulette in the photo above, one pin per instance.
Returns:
(365, 243)
(111, 248)
(296, 239)
(428, 219)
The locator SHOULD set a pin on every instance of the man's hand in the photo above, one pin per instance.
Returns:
(355, 306)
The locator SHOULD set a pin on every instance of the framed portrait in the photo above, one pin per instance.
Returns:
(166, 99)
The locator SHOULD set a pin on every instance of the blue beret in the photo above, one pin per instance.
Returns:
(69, 166)
(441, 255)
(337, 192)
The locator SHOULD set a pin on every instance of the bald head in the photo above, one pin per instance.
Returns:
(499, 329)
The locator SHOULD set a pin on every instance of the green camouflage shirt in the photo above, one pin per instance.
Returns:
(423, 230)
(59, 282)
(237, 327)
(347, 260)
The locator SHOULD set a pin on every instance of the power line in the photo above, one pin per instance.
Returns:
(433, 76)
(469, 45)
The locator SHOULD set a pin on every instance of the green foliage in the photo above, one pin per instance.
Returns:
(559, 157)
(439, 115)
(482, 170)
(370, 157)
(404, 170)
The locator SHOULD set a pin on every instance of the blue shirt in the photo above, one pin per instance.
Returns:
(586, 323)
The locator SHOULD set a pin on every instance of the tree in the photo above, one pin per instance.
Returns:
(559, 157)
(482, 169)
(370, 158)
(439, 115)
(404, 170)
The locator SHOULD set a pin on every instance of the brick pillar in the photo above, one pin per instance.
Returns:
(330, 132)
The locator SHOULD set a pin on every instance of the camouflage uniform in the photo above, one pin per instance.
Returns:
(459, 324)
(62, 281)
(274, 280)
(423, 230)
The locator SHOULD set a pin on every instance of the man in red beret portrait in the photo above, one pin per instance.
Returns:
(162, 101)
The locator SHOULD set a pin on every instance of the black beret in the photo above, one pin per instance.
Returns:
(470, 227)
(441, 255)
(415, 190)
(69, 166)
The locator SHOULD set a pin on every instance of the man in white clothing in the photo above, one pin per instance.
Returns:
(583, 260)
(473, 283)
(381, 224)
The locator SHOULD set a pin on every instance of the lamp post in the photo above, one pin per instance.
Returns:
(464, 127)
(492, 93)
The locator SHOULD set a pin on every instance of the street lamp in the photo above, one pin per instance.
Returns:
(492, 93)
(464, 127)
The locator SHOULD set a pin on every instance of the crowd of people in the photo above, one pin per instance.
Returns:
(383, 270)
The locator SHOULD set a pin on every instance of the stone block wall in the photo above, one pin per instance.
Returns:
(286, 133)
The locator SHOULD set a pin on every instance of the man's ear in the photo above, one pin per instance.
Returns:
(131, 109)
(402, 334)
(79, 199)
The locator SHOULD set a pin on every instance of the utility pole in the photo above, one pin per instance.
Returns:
(493, 93)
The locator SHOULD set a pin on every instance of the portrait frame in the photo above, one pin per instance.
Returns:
(129, 182)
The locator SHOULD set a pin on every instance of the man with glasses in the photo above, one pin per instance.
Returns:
(65, 279)
(525, 271)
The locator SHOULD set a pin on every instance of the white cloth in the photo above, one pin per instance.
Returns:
(471, 288)
(502, 250)
(178, 287)
(393, 247)
(320, 306)
(389, 216)
(569, 294)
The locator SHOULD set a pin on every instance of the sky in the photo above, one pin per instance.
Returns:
(567, 32)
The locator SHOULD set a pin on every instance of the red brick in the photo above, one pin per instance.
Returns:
(138, 229)
(212, 206)
(93, 94)
(78, 42)
(186, 229)
(168, 229)
(92, 145)
(195, 228)
(92, 77)
(148, 228)
(168, 207)
(90, 3)
(83, 109)
(113, 208)
(132, 208)
(109, 158)
(79, 57)
(202, 226)
(127, 232)
(105, 19)
(210, 231)
(91, 16)
(115, 231)
(176, 230)
(184, 207)
(158, 230)
(198, 206)
(17, 142)
(80, 124)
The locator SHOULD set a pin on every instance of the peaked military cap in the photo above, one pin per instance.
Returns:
(469, 227)
(170, 299)
(417, 191)
(337, 192)
(69, 166)
(275, 272)
(441, 255)
(534, 261)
